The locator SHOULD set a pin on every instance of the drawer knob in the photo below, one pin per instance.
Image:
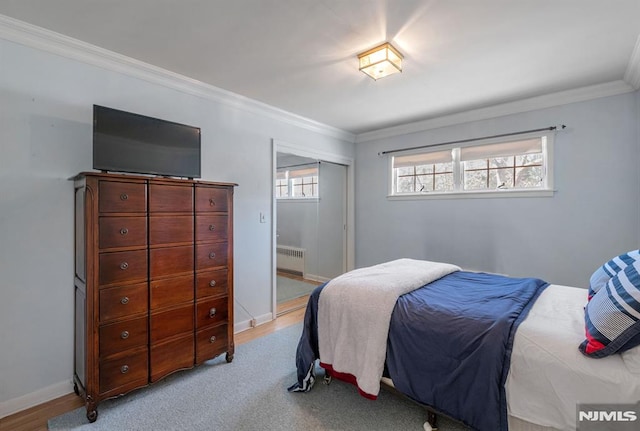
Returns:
(124, 231)
(124, 300)
(124, 369)
(124, 265)
(212, 339)
(212, 283)
(124, 335)
(212, 227)
(212, 312)
(124, 197)
(212, 255)
(212, 202)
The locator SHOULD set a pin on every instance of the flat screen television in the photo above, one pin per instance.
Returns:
(128, 142)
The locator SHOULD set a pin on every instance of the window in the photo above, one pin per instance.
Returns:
(282, 185)
(301, 183)
(425, 172)
(491, 168)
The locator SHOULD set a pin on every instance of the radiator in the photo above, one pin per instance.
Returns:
(290, 259)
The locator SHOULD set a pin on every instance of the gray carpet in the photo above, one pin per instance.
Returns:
(250, 394)
(288, 288)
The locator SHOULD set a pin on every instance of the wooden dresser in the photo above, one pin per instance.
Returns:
(153, 280)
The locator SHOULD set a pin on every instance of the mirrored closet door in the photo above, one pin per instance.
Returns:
(310, 226)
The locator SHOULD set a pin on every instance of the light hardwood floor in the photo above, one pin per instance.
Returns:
(35, 418)
(296, 303)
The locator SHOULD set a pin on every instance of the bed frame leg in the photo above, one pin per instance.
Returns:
(327, 378)
(432, 422)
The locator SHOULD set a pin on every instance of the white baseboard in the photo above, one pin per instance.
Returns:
(246, 324)
(318, 278)
(40, 396)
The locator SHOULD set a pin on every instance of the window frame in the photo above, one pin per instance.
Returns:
(290, 186)
(547, 190)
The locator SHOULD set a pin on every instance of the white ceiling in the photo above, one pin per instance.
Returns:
(300, 55)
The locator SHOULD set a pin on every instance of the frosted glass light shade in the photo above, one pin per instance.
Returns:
(381, 61)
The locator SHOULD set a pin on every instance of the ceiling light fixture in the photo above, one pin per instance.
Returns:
(381, 61)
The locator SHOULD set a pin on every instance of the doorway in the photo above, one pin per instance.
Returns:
(310, 226)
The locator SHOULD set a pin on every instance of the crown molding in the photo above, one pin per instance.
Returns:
(539, 102)
(55, 43)
(46, 40)
(632, 75)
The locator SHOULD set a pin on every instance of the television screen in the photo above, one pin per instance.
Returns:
(127, 142)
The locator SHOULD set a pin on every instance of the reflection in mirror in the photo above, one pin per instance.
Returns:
(310, 234)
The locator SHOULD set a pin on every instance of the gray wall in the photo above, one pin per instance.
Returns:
(297, 226)
(46, 138)
(593, 216)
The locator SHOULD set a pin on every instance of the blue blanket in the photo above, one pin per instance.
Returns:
(449, 344)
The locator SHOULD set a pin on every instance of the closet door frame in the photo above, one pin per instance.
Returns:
(300, 150)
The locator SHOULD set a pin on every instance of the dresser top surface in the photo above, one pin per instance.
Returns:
(152, 178)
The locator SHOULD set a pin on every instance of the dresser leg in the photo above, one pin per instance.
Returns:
(92, 410)
(229, 357)
(92, 415)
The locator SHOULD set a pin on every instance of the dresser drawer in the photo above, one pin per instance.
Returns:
(122, 266)
(170, 291)
(211, 199)
(170, 198)
(170, 261)
(123, 335)
(211, 311)
(211, 283)
(118, 302)
(211, 342)
(211, 255)
(171, 356)
(122, 232)
(170, 229)
(171, 322)
(119, 197)
(124, 371)
(211, 228)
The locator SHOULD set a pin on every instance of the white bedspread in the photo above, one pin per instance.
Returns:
(549, 376)
(354, 312)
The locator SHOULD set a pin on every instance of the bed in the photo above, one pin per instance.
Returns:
(537, 386)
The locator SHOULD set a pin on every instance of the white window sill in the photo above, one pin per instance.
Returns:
(315, 199)
(539, 193)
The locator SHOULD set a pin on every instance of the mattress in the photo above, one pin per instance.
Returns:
(549, 376)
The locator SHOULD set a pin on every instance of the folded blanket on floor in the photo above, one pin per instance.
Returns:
(354, 314)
